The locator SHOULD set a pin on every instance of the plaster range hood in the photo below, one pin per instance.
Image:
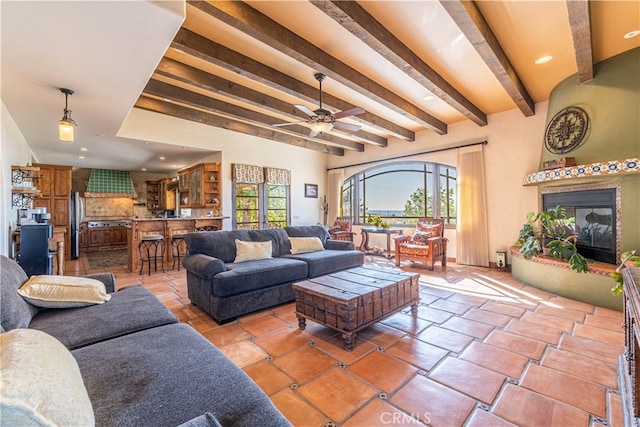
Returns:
(110, 183)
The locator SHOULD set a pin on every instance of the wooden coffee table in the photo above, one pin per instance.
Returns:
(350, 300)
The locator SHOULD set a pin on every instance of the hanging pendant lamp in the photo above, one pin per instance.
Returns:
(66, 125)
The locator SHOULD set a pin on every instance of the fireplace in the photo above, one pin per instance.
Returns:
(596, 216)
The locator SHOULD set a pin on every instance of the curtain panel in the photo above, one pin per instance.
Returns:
(275, 176)
(247, 174)
(336, 178)
(472, 231)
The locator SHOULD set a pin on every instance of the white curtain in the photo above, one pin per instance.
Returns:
(334, 184)
(472, 234)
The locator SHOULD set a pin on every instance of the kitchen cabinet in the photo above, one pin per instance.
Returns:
(107, 237)
(159, 197)
(82, 236)
(153, 195)
(118, 236)
(200, 186)
(54, 182)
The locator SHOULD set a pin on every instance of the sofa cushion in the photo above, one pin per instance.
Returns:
(40, 382)
(319, 231)
(14, 310)
(248, 276)
(169, 375)
(279, 240)
(204, 420)
(300, 245)
(251, 251)
(129, 310)
(329, 261)
(218, 244)
(63, 291)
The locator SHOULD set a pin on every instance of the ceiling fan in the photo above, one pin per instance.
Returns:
(322, 120)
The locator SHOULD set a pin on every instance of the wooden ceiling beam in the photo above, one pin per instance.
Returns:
(186, 74)
(221, 56)
(259, 26)
(195, 100)
(467, 16)
(181, 112)
(580, 23)
(363, 25)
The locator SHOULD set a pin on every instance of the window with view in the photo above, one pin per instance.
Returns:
(261, 206)
(400, 193)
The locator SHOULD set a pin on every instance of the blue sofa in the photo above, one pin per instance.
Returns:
(226, 290)
(140, 367)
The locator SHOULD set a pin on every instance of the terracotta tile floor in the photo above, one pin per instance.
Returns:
(485, 350)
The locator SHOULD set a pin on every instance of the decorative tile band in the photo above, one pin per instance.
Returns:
(590, 169)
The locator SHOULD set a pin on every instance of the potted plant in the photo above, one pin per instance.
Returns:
(551, 230)
(629, 259)
(377, 221)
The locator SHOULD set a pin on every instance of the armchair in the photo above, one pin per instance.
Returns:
(341, 229)
(426, 245)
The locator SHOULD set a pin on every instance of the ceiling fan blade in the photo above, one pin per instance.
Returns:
(350, 112)
(287, 124)
(346, 126)
(305, 110)
(313, 133)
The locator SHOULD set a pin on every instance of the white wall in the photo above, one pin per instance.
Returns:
(513, 150)
(15, 151)
(306, 166)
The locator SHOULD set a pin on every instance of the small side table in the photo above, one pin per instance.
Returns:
(364, 245)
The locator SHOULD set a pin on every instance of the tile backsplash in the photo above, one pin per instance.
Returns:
(108, 208)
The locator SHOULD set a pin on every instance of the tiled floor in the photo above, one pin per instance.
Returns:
(485, 350)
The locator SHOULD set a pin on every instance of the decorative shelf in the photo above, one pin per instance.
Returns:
(589, 170)
(22, 189)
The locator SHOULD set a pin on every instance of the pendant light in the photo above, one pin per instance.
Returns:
(65, 127)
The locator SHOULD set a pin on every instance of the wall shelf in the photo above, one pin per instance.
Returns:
(23, 190)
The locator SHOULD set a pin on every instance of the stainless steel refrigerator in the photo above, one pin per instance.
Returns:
(77, 216)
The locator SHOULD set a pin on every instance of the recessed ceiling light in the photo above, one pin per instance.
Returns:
(84, 149)
(185, 148)
(543, 59)
(429, 98)
(161, 157)
(174, 166)
(81, 157)
(631, 34)
(143, 169)
(147, 143)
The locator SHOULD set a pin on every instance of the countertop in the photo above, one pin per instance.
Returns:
(178, 219)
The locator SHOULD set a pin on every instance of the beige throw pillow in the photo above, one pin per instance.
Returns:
(301, 245)
(251, 251)
(63, 291)
(41, 383)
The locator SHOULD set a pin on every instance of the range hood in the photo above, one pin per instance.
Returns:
(110, 183)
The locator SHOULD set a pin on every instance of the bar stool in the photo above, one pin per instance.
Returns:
(177, 246)
(152, 244)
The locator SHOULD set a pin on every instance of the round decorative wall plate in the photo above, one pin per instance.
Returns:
(566, 130)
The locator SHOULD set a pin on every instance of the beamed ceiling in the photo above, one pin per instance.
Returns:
(413, 66)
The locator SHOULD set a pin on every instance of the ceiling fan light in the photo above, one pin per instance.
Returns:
(321, 127)
(65, 130)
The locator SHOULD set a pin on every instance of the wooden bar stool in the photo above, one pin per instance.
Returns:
(152, 248)
(178, 249)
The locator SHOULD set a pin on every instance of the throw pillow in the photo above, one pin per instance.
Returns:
(251, 251)
(301, 245)
(424, 232)
(40, 381)
(63, 291)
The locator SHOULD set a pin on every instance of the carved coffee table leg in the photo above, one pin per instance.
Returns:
(414, 310)
(302, 323)
(349, 340)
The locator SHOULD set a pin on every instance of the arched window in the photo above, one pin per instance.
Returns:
(400, 193)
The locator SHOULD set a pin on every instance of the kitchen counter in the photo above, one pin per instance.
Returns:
(167, 228)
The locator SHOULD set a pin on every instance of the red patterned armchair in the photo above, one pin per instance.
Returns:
(426, 245)
(341, 229)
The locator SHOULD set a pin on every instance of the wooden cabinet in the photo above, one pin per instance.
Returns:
(118, 236)
(54, 182)
(83, 241)
(153, 195)
(629, 361)
(200, 186)
(159, 197)
(99, 236)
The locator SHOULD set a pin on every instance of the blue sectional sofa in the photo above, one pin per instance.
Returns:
(138, 365)
(226, 289)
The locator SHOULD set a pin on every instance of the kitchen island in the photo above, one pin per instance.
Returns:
(167, 228)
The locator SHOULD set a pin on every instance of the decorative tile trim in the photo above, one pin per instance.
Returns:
(612, 167)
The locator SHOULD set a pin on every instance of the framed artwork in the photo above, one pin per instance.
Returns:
(311, 190)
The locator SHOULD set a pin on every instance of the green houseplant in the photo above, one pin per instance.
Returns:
(377, 221)
(553, 230)
(628, 258)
